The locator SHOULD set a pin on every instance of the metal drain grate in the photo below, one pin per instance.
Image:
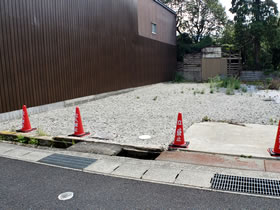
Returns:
(246, 184)
(68, 161)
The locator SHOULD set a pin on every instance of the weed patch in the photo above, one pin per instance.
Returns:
(21, 139)
(206, 119)
(230, 83)
(33, 141)
(40, 132)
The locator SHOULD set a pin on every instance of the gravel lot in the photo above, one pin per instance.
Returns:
(152, 110)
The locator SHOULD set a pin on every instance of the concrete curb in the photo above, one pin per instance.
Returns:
(17, 114)
(69, 141)
(174, 174)
(152, 148)
(232, 155)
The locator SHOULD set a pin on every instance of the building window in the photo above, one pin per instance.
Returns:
(154, 28)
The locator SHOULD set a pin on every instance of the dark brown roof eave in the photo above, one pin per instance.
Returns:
(166, 7)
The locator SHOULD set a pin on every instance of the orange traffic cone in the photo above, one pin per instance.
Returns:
(78, 129)
(276, 150)
(26, 126)
(179, 141)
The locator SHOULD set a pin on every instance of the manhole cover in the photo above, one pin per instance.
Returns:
(145, 137)
(246, 184)
(65, 196)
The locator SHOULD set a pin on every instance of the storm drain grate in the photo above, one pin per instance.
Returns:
(68, 161)
(246, 185)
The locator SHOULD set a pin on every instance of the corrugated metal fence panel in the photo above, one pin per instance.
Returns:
(54, 50)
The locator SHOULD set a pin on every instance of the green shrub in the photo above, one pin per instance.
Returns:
(206, 119)
(244, 89)
(21, 139)
(178, 78)
(230, 83)
(230, 89)
(33, 141)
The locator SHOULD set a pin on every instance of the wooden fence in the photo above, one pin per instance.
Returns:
(54, 50)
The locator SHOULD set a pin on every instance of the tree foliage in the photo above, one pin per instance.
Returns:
(255, 30)
(252, 19)
(186, 45)
(199, 18)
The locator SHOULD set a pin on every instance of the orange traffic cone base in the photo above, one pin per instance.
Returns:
(80, 135)
(26, 131)
(272, 153)
(174, 147)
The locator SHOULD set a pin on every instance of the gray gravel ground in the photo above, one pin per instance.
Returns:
(152, 110)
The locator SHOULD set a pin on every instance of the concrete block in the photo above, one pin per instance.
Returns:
(224, 161)
(131, 170)
(4, 148)
(103, 166)
(31, 110)
(162, 174)
(224, 138)
(195, 178)
(96, 148)
(16, 153)
(35, 156)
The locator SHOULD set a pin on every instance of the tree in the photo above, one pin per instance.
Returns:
(273, 40)
(199, 18)
(251, 19)
(228, 36)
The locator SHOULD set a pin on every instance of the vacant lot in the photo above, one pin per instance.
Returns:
(152, 110)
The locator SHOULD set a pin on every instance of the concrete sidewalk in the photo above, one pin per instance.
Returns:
(231, 139)
(166, 169)
(223, 161)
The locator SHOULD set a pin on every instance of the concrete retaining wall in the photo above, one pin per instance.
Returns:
(73, 102)
(251, 75)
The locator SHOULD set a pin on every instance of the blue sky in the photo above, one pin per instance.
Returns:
(227, 4)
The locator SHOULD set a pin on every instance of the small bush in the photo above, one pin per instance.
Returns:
(230, 89)
(179, 78)
(274, 84)
(218, 82)
(21, 139)
(244, 89)
(155, 98)
(231, 82)
(33, 141)
(206, 119)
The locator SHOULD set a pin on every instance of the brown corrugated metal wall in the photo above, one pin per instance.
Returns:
(54, 50)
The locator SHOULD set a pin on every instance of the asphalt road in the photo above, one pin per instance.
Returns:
(26, 185)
